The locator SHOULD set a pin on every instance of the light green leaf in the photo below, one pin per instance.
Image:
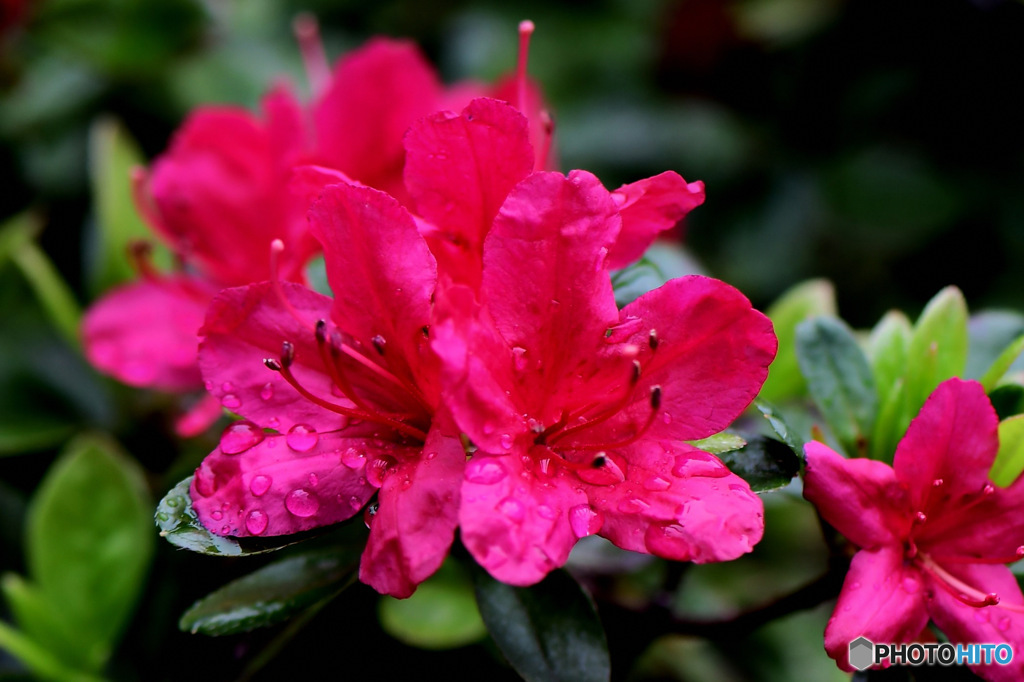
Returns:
(548, 632)
(719, 443)
(1010, 459)
(990, 379)
(807, 299)
(839, 380)
(890, 425)
(938, 348)
(441, 613)
(53, 293)
(39, 660)
(887, 349)
(273, 593)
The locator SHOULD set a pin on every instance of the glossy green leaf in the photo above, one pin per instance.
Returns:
(1002, 363)
(1008, 400)
(807, 299)
(782, 429)
(179, 525)
(112, 156)
(88, 523)
(1010, 460)
(719, 443)
(273, 593)
(890, 425)
(441, 613)
(839, 380)
(887, 348)
(549, 632)
(765, 463)
(938, 348)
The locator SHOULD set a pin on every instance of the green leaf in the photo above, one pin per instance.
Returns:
(441, 613)
(839, 380)
(765, 463)
(887, 348)
(661, 262)
(808, 299)
(788, 435)
(1007, 400)
(719, 443)
(890, 425)
(27, 433)
(180, 525)
(90, 543)
(1002, 363)
(990, 333)
(273, 594)
(42, 662)
(52, 292)
(938, 348)
(112, 156)
(16, 232)
(549, 632)
(1010, 459)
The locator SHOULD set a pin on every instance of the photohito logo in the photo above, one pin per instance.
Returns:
(864, 653)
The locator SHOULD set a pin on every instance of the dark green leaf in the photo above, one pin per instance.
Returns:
(990, 332)
(273, 593)
(839, 379)
(783, 430)
(661, 263)
(441, 613)
(548, 632)
(764, 463)
(1007, 400)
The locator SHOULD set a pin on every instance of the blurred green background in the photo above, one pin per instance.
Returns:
(874, 143)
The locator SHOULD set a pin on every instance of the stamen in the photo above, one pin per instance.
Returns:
(560, 428)
(318, 71)
(981, 560)
(341, 348)
(525, 31)
(549, 133)
(636, 373)
(956, 587)
(276, 249)
(379, 342)
(328, 358)
(287, 354)
(652, 339)
(140, 254)
(655, 406)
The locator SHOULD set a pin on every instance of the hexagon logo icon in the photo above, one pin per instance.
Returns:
(862, 653)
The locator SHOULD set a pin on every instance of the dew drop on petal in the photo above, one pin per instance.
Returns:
(485, 471)
(302, 438)
(259, 484)
(981, 615)
(313, 480)
(231, 401)
(256, 522)
(632, 505)
(607, 473)
(355, 503)
(513, 509)
(267, 392)
(657, 484)
(431, 455)
(273, 422)
(239, 437)
(353, 458)
(696, 463)
(216, 515)
(1003, 625)
(227, 387)
(506, 441)
(205, 481)
(666, 417)
(301, 502)
(519, 358)
(377, 470)
(584, 520)
(546, 512)
(910, 585)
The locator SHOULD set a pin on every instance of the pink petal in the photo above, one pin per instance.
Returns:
(546, 286)
(415, 522)
(710, 355)
(679, 503)
(247, 324)
(278, 485)
(990, 528)
(459, 169)
(882, 599)
(376, 93)
(145, 333)
(954, 440)
(861, 498)
(199, 417)
(382, 276)
(990, 624)
(516, 520)
(649, 207)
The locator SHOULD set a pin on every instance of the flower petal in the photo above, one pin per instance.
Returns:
(990, 624)
(375, 94)
(679, 503)
(861, 498)
(272, 488)
(247, 324)
(882, 599)
(459, 169)
(146, 333)
(954, 439)
(515, 519)
(990, 528)
(415, 522)
(649, 207)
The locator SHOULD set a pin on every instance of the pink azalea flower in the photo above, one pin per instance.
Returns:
(351, 389)
(579, 411)
(933, 533)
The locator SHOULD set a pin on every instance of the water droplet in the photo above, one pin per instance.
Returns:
(259, 484)
(632, 506)
(854, 585)
(584, 520)
(1003, 625)
(506, 441)
(519, 358)
(267, 392)
(209, 385)
(353, 458)
(431, 455)
(227, 387)
(302, 438)
(485, 471)
(313, 480)
(231, 401)
(666, 417)
(162, 516)
(513, 509)
(225, 529)
(921, 517)
(377, 470)
(910, 585)
(256, 522)
(301, 502)
(981, 615)
(216, 515)
(205, 481)
(355, 503)
(657, 484)
(546, 512)
(488, 428)
(273, 422)
(172, 502)
(697, 463)
(239, 437)
(937, 482)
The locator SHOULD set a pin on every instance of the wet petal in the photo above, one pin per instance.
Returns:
(860, 497)
(649, 207)
(415, 522)
(881, 599)
(991, 528)
(146, 333)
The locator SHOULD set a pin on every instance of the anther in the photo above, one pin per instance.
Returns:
(273, 364)
(636, 372)
(655, 397)
(426, 330)
(379, 343)
(287, 353)
(525, 31)
(652, 339)
(321, 331)
(599, 461)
